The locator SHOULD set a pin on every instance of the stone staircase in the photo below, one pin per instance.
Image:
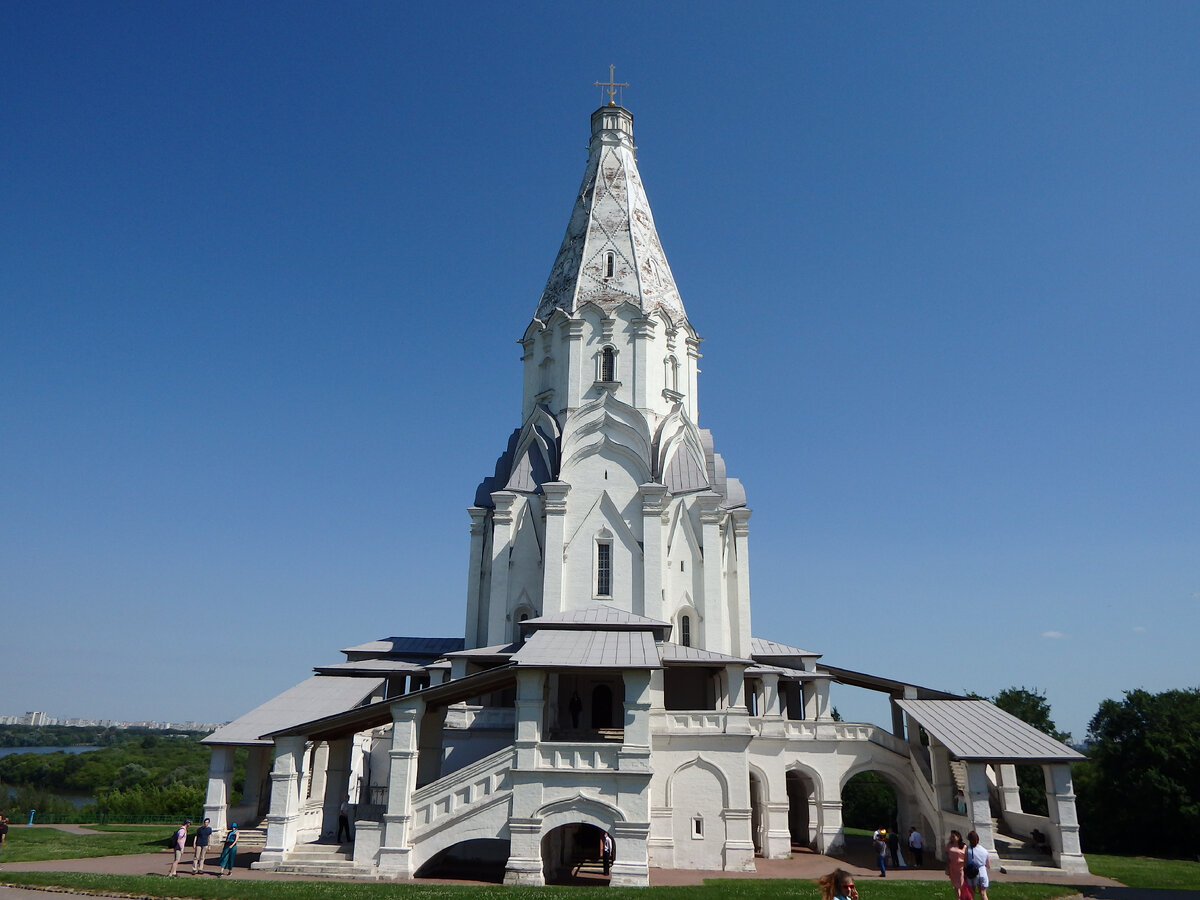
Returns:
(323, 861)
(1016, 854)
(251, 840)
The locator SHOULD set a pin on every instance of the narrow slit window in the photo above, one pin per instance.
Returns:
(697, 827)
(604, 570)
(685, 629)
(610, 262)
(608, 360)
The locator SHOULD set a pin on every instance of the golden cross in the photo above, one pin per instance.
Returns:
(612, 85)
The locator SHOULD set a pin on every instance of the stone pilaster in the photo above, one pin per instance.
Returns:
(632, 865)
(978, 808)
(643, 336)
(530, 716)
(573, 335)
(337, 782)
(653, 506)
(1010, 792)
(740, 615)
(555, 501)
(635, 751)
(474, 575)
(716, 628)
(502, 520)
(778, 843)
(739, 839)
(831, 836)
(525, 853)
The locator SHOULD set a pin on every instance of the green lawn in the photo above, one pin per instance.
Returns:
(34, 844)
(1146, 872)
(713, 889)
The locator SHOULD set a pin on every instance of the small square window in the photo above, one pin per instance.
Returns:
(697, 827)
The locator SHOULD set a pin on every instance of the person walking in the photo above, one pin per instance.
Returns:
(200, 844)
(178, 842)
(880, 845)
(344, 820)
(956, 856)
(917, 845)
(975, 869)
(3, 832)
(229, 851)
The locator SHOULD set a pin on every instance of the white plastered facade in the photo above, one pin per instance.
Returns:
(607, 680)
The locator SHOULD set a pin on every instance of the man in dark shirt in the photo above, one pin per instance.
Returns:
(203, 835)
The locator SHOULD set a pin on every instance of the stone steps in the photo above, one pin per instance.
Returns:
(323, 861)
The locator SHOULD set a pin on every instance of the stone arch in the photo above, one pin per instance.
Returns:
(805, 789)
(698, 795)
(578, 809)
(699, 763)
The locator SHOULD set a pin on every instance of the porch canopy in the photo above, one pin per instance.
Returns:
(317, 696)
(977, 731)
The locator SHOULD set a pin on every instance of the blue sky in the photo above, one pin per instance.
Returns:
(263, 267)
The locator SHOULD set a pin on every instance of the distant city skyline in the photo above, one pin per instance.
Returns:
(37, 719)
(264, 268)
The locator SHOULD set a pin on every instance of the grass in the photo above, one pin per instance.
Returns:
(37, 843)
(713, 889)
(1146, 872)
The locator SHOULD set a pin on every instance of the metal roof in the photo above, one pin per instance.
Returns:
(407, 646)
(577, 649)
(496, 651)
(783, 672)
(371, 667)
(599, 616)
(764, 647)
(978, 730)
(314, 698)
(677, 654)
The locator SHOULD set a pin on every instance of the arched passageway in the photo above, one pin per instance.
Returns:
(477, 860)
(574, 854)
(802, 807)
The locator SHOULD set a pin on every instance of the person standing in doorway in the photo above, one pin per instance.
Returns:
(606, 851)
(203, 836)
(178, 842)
(344, 820)
(917, 845)
(576, 707)
(893, 845)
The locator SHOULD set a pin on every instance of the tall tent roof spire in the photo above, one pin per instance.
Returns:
(611, 253)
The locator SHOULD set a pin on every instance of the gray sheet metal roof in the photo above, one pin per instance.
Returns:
(598, 617)
(576, 649)
(764, 647)
(314, 698)
(371, 667)
(496, 651)
(677, 655)
(407, 647)
(978, 730)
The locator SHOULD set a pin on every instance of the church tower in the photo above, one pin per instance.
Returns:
(610, 493)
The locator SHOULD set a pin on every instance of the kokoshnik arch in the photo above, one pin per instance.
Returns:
(608, 679)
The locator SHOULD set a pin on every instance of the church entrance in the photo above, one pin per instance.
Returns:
(574, 854)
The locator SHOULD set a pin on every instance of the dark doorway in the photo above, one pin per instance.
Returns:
(602, 706)
(574, 854)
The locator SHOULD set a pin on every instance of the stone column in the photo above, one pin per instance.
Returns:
(631, 868)
(1010, 791)
(772, 709)
(502, 519)
(555, 500)
(524, 853)
(284, 818)
(220, 784)
(474, 573)
(395, 852)
(778, 836)
(737, 719)
(741, 614)
(653, 497)
(716, 629)
(1060, 798)
(337, 781)
(979, 810)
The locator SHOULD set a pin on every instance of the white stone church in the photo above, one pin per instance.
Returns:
(608, 678)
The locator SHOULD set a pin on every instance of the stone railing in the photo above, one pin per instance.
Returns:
(464, 716)
(477, 783)
(826, 730)
(578, 756)
(703, 721)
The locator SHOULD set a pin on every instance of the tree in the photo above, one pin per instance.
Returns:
(1140, 791)
(868, 801)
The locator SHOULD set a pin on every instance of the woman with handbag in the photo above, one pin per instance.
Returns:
(975, 868)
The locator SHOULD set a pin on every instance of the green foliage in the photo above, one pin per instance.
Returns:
(869, 802)
(1140, 791)
(135, 772)
(1144, 872)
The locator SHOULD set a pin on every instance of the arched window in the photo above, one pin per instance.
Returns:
(610, 263)
(672, 373)
(608, 364)
(685, 630)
